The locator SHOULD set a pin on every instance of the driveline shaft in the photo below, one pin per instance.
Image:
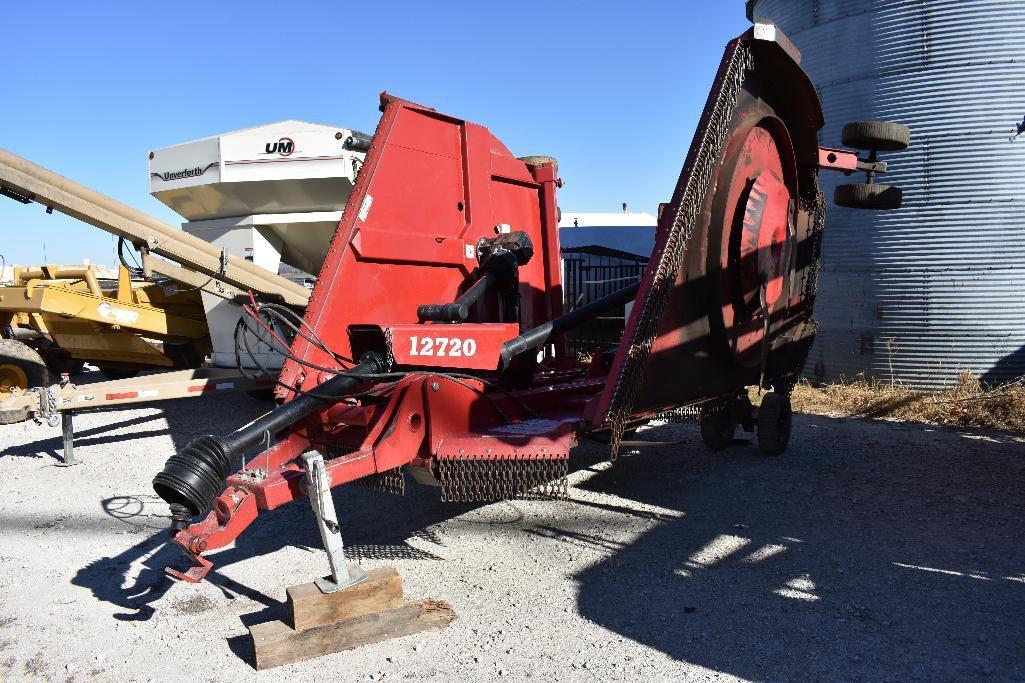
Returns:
(193, 476)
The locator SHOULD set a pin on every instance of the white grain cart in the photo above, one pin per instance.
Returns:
(270, 194)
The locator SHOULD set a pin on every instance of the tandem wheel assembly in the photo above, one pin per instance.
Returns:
(771, 421)
(873, 137)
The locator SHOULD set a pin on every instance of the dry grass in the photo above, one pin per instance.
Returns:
(968, 404)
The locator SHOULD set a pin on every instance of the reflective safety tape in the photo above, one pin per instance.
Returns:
(122, 395)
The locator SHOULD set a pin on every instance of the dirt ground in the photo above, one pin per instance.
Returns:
(871, 550)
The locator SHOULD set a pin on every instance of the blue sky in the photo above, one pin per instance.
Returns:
(612, 89)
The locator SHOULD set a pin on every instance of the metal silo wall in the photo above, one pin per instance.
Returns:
(920, 294)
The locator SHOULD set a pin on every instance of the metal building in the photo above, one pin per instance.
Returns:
(919, 294)
(601, 253)
(628, 231)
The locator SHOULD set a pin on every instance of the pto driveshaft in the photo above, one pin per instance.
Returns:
(192, 477)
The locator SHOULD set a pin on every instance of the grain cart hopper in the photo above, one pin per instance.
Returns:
(432, 342)
(270, 194)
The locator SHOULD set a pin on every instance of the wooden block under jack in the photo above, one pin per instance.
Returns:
(309, 607)
(275, 643)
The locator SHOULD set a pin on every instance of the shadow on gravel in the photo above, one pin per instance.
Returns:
(186, 419)
(377, 526)
(53, 446)
(882, 562)
(106, 578)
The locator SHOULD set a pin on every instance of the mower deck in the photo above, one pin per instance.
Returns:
(432, 341)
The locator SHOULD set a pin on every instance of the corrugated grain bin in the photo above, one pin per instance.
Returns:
(937, 287)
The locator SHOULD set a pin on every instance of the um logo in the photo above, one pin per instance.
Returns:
(283, 147)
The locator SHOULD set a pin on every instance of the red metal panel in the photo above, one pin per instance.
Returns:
(537, 438)
(402, 247)
(427, 189)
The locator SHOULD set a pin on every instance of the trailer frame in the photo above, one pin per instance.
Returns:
(57, 404)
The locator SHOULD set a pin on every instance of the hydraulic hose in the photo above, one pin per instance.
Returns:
(193, 476)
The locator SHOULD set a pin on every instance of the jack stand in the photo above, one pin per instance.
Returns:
(68, 434)
(324, 618)
(343, 574)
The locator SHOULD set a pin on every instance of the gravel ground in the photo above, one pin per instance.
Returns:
(871, 550)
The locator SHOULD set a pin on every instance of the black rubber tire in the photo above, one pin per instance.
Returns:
(865, 196)
(881, 136)
(31, 364)
(185, 356)
(119, 373)
(58, 360)
(539, 160)
(61, 362)
(717, 427)
(775, 419)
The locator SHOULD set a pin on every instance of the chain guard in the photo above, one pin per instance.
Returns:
(494, 479)
(389, 481)
(700, 173)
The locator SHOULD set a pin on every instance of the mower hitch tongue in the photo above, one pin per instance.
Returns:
(433, 342)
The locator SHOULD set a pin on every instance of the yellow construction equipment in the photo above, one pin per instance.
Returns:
(68, 316)
(65, 315)
(190, 259)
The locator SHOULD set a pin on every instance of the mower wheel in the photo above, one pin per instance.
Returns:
(774, 421)
(868, 196)
(21, 368)
(881, 136)
(538, 160)
(717, 426)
